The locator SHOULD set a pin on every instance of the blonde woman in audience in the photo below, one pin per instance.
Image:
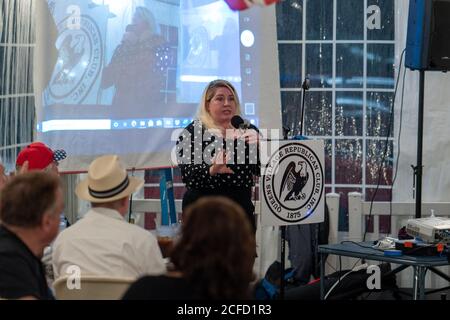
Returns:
(213, 258)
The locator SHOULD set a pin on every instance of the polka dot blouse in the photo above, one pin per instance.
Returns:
(196, 148)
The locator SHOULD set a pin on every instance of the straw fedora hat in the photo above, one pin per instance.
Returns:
(107, 181)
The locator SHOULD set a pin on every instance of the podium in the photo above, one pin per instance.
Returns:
(292, 186)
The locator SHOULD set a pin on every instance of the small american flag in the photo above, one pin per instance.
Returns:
(59, 155)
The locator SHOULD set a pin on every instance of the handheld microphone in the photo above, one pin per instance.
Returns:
(239, 123)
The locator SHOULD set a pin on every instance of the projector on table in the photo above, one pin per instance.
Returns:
(432, 229)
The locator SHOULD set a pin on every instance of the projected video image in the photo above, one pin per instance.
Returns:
(114, 54)
(127, 72)
(124, 59)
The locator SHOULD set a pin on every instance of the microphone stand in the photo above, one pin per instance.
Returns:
(283, 238)
(131, 200)
(286, 131)
(305, 87)
(314, 229)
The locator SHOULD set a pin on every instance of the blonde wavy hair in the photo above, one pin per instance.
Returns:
(216, 250)
(147, 16)
(203, 115)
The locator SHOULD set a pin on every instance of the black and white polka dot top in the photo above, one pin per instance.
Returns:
(196, 148)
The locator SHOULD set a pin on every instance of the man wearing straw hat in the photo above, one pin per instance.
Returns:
(103, 242)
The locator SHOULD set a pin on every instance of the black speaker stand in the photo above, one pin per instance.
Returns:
(419, 168)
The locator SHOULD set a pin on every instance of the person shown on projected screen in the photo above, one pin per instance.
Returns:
(138, 68)
(214, 158)
(226, 44)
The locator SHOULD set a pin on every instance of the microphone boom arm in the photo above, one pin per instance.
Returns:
(305, 87)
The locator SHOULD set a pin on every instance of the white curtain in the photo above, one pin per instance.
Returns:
(16, 92)
(436, 142)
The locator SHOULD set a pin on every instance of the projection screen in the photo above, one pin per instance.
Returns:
(120, 76)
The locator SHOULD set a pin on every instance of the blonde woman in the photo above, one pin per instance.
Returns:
(214, 158)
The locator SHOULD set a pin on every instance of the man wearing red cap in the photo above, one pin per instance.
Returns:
(38, 156)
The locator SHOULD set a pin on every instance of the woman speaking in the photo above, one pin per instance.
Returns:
(215, 158)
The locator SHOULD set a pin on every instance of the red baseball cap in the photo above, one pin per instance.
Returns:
(39, 156)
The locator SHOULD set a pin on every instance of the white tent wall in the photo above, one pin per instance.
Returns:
(16, 91)
(436, 142)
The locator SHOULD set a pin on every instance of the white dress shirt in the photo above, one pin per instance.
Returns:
(103, 243)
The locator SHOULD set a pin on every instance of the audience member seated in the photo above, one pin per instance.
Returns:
(30, 206)
(38, 156)
(102, 242)
(212, 259)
